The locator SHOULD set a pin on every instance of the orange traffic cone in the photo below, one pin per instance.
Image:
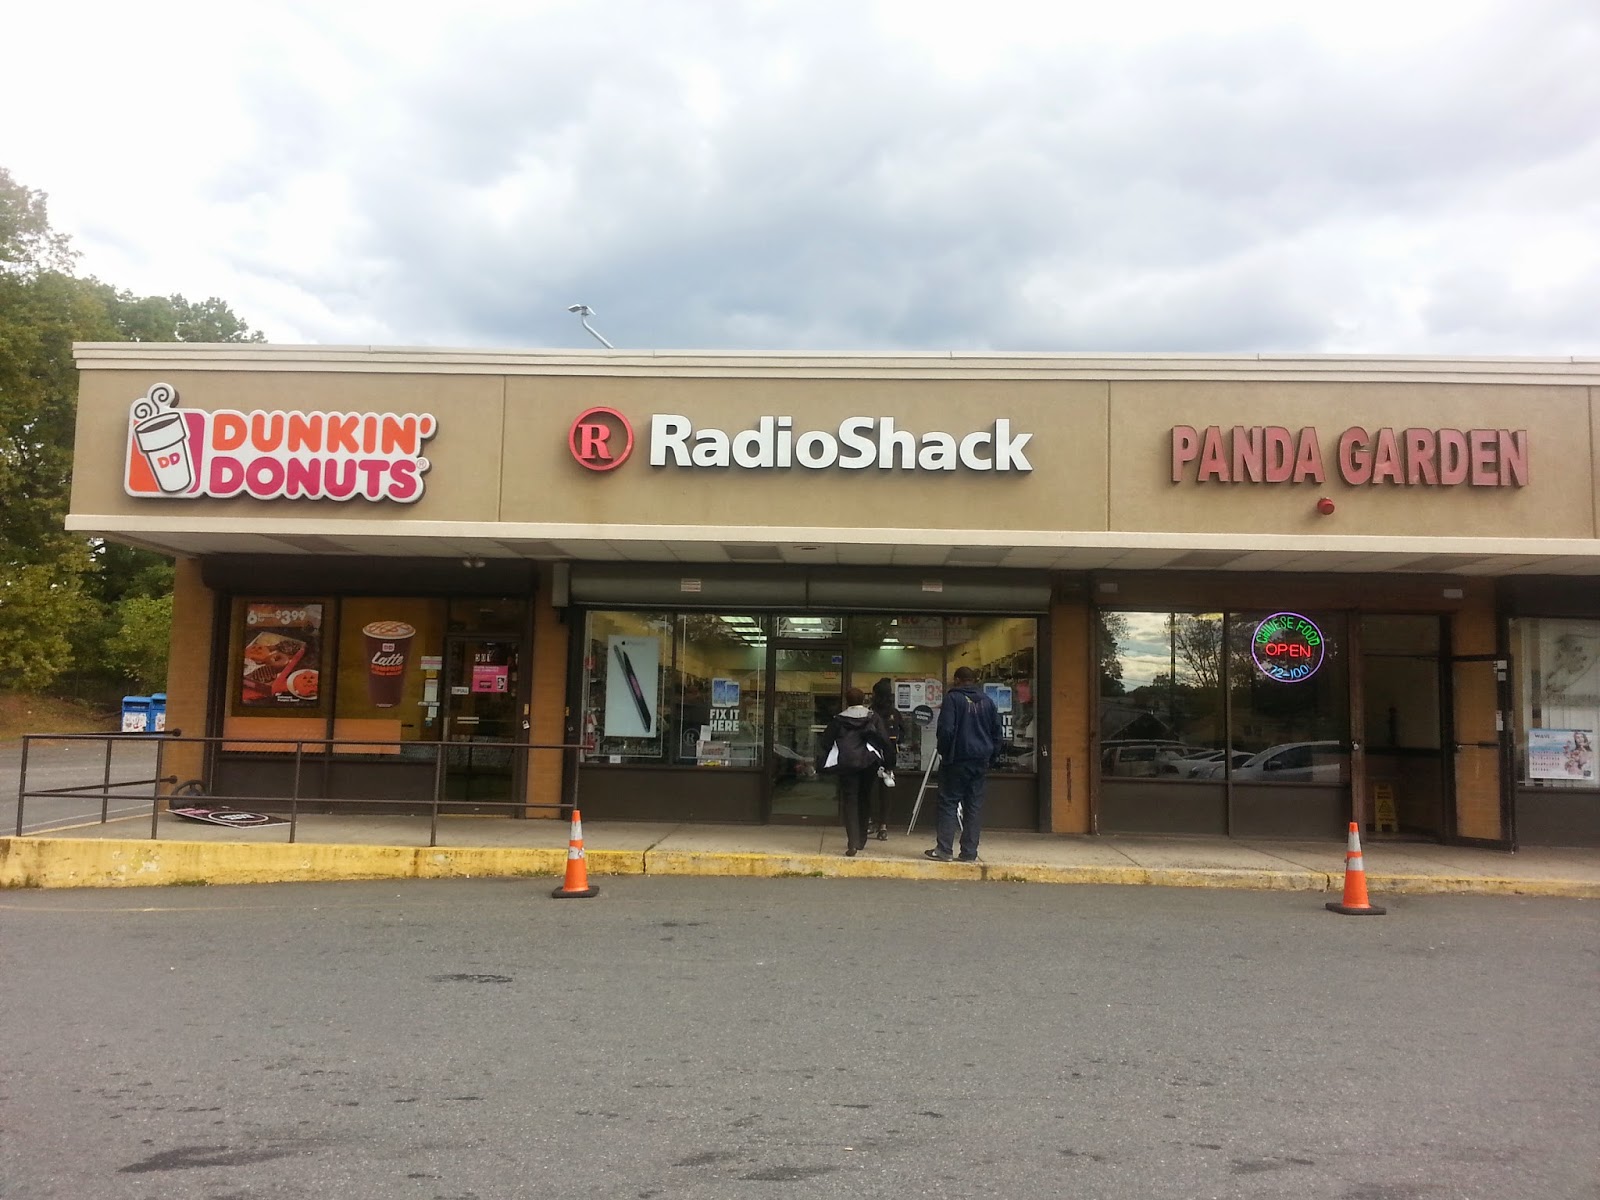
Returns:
(577, 885)
(1355, 883)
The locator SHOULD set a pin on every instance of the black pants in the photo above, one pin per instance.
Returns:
(881, 796)
(855, 794)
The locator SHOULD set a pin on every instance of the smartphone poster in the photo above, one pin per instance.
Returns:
(633, 687)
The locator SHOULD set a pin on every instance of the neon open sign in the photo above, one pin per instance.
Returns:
(1288, 648)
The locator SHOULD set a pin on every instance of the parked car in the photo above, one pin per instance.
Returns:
(1207, 764)
(1297, 762)
(1132, 758)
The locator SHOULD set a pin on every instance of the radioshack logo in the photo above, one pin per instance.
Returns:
(601, 439)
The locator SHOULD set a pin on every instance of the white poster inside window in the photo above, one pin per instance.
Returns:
(1569, 663)
(1561, 703)
(633, 687)
(1561, 754)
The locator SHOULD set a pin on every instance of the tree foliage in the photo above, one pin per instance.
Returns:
(139, 643)
(59, 593)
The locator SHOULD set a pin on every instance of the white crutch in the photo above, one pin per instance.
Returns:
(933, 765)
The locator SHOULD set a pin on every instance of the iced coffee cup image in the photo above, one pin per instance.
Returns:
(388, 647)
(164, 441)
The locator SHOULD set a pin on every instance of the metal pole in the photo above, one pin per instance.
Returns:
(22, 782)
(294, 798)
(584, 313)
(155, 791)
(105, 783)
(438, 784)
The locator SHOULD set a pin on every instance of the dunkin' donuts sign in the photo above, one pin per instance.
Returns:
(271, 454)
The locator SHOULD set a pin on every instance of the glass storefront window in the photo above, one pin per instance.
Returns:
(1003, 653)
(1161, 694)
(721, 670)
(918, 654)
(275, 664)
(390, 652)
(1557, 698)
(699, 688)
(1289, 697)
(1164, 677)
(627, 673)
(359, 668)
(278, 676)
(909, 652)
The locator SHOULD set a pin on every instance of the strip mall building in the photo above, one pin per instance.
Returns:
(1242, 596)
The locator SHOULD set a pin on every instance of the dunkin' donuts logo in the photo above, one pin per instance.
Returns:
(273, 455)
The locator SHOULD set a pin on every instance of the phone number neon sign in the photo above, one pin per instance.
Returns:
(1288, 648)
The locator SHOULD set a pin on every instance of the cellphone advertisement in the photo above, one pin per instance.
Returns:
(633, 687)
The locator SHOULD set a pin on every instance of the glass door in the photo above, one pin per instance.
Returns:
(807, 693)
(481, 717)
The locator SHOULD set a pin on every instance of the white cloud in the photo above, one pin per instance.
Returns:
(1235, 176)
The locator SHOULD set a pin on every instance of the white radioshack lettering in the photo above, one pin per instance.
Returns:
(858, 443)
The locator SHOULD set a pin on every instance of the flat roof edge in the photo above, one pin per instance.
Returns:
(188, 356)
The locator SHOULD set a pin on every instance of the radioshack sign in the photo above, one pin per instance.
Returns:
(602, 438)
(273, 455)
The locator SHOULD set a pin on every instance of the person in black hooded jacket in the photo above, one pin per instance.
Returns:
(853, 746)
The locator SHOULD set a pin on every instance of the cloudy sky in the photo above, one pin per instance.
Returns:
(1395, 176)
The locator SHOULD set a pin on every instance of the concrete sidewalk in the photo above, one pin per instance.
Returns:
(375, 847)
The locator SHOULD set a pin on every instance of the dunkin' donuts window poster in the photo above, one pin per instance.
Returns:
(280, 655)
(382, 675)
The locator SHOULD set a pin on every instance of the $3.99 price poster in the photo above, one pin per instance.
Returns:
(282, 655)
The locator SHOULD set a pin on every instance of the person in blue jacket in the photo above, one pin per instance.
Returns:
(969, 745)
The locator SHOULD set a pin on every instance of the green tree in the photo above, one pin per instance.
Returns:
(39, 607)
(60, 592)
(138, 645)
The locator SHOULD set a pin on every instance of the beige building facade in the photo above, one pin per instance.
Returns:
(1232, 595)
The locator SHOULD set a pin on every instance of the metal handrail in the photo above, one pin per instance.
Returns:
(321, 748)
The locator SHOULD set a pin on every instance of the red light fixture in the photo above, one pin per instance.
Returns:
(1325, 506)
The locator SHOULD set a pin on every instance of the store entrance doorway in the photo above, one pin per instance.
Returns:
(1400, 740)
(807, 692)
(481, 716)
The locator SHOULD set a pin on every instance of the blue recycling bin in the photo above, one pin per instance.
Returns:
(136, 714)
(158, 712)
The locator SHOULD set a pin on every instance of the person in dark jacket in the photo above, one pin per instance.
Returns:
(969, 744)
(895, 724)
(853, 747)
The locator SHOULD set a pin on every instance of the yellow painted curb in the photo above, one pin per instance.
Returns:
(1478, 885)
(44, 862)
(785, 866)
(105, 862)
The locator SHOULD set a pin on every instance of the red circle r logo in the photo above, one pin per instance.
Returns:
(595, 436)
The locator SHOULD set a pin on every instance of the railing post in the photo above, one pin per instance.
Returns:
(294, 797)
(577, 772)
(438, 787)
(105, 782)
(155, 790)
(22, 782)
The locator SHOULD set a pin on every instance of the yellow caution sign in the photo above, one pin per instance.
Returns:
(1383, 812)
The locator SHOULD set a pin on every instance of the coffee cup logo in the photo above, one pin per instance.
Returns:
(163, 438)
(388, 647)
